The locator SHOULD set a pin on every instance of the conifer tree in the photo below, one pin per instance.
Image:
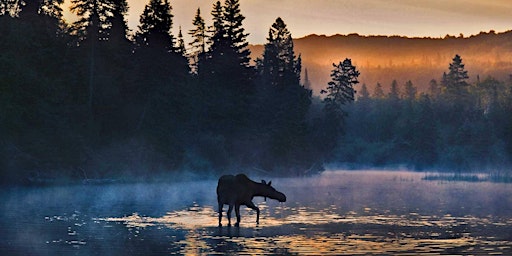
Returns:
(225, 71)
(155, 26)
(217, 29)
(394, 93)
(235, 33)
(378, 93)
(454, 82)
(199, 40)
(117, 28)
(410, 91)
(180, 48)
(340, 90)
(364, 94)
(93, 19)
(433, 89)
(282, 101)
(280, 66)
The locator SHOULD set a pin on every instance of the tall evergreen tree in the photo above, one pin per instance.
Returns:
(378, 93)
(180, 48)
(235, 33)
(364, 94)
(433, 89)
(340, 90)
(454, 82)
(199, 40)
(117, 27)
(225, 71)
(410, 91)
(394, 91)
(217, 30)
(280, 66)
(93, 19)
(283, 101)
(155, 26)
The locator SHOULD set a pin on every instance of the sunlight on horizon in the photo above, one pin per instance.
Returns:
(326, 17)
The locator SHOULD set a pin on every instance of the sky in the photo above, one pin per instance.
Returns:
(412, 18)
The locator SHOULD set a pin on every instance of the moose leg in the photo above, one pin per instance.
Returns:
(230, 209)
(237, 211)
(254, 207)
(220, 214)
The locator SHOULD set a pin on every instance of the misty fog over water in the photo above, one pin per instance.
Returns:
(336, 212)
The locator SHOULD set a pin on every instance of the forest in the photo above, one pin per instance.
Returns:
(91, 100)
(382, 59)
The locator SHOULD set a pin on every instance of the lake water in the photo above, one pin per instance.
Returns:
(335, 213)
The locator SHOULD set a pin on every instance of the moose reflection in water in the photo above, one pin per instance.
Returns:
(240, 190)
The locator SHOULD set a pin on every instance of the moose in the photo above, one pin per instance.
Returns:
(240, 190)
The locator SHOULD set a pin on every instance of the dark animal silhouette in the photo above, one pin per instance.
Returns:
(240, 190)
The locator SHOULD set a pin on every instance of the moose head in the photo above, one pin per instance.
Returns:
(269, 191)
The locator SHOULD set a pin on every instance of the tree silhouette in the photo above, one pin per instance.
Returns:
(180, 48)
(454, 82)
(279, 66)
(378, 93)
(117, 28)
(235, 32)
(93, 19)
(340, 90)
(225, 73)
(155, 26)
(199, 39)
(283, 102)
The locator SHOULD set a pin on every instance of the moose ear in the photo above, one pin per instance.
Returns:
(263, 182)
(270, 182)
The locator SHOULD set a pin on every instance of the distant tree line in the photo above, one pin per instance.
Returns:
(455, 125)
(90, 100)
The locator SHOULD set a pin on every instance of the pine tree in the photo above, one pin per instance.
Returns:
(199, 40)
(280, 66)
(225, 71)
(378, 93)
(217, 30)
(235, 33)
(433, 89)
(282, 100)
(394, 93)
(155, 26)
(117, 28)
(454, 82)
(455, 88)
(181, 44)
(364, 94)
(228, 42)
(340, 90)
(93, 16)
(410, 91)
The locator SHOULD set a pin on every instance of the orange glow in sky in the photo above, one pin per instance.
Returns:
(413, 18)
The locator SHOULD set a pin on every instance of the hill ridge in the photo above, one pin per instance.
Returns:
(382, 59)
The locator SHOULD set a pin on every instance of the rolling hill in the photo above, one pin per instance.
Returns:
(381, 59)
